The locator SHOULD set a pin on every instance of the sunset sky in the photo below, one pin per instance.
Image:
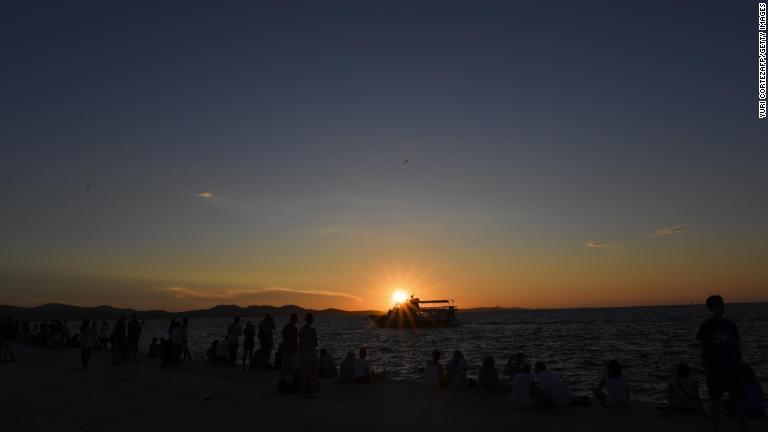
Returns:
(559, 154)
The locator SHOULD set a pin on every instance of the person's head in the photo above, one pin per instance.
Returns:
(488, 362)
(683, 370)
(350, 355)
(294, 318)
(540, 366)
(436, 356)
(520, 357)
(267, 316)
(133, 316)
(309, 319)
(185, 320)
(215, 342)
(237, 320)
(323, 353)
(363, 353)
(716, 304)
(613, 369)
(122, 317)
(248, 324)
(154, 340)
(457, 355)
(525, 368)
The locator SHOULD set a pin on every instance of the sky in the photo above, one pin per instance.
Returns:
(179, 155)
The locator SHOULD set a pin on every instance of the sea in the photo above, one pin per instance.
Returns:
(576, 343)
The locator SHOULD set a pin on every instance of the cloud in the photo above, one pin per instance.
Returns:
(206, 195)
(596, 245)
(246, 294)
(677, 229)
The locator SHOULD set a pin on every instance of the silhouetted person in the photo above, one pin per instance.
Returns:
(488, 377)
(183, 330)
(249, 342)
(362, 368)
(307, 357)
(683, 391)
(513, 364)
(233, 339)
(457, 371)
(266, 341)
(290, 346)
(8, 335)
(87, 342)
(154, 348)
(754, 398)
(118, 340)
(612, 389)
(326, 365)
(347, 368)
(176, 343)
(104, 335)
(434, 374)
(523, 393)
(721, 356)
(550, 390)
(132, 338)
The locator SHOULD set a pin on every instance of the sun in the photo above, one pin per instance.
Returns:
(399, 296)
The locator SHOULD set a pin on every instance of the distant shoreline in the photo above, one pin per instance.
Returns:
(70, 312)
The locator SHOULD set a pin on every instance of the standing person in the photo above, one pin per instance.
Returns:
(118, 340)
(457, 371)
(488, 377)
(87, 341)
(266, 327)
(248, 343)
(185, 354)
(177, 343)
(8, 334)
(132, 343)
(308, 357)
(104, 335)
(721, 357)
(290, 346)
(233, 339)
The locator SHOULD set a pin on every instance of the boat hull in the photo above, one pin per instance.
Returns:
(390, 321)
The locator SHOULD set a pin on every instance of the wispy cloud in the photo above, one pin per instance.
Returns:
(245, 294)
(665, 232)
(596, 244)
(206, 195)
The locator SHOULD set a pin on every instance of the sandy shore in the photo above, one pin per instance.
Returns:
(46, 391)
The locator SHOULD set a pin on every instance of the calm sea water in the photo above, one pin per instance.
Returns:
(576, 343)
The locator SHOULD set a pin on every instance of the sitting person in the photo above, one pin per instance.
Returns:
(550, 390)
(434, 374)
(211, 352)
(347, 368)
(753, 399)
(326, 365)
(362, 368)
(457, 371)
(523, 392)
(616, 389)
(683, 391)
(154, 348)
(513, 364)
(489, 376)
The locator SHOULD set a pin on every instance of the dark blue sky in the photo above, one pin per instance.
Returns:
(530, 129)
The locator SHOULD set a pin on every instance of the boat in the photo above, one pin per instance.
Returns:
(417, 313)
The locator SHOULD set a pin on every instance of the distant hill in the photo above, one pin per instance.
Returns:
(69, 312)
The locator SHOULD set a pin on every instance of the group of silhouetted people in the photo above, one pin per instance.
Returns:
(301, 364)
(724, 371)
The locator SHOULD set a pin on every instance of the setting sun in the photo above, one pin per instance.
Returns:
(399, 296)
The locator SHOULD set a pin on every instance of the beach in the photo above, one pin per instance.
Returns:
(45, 390)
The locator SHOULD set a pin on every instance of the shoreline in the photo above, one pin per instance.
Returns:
(46, 390)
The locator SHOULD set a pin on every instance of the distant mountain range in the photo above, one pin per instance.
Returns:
(69, 312)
